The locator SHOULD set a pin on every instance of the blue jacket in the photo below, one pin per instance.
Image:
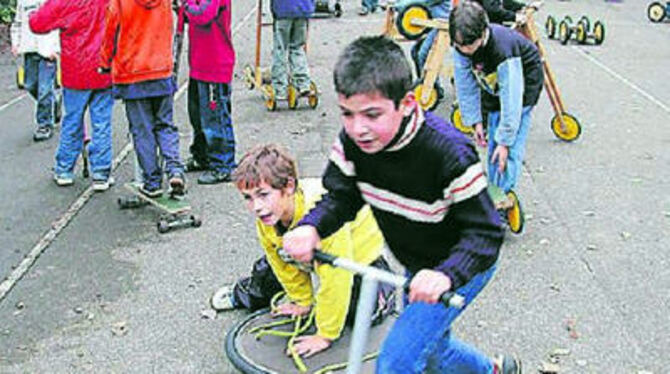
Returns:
(292, 8)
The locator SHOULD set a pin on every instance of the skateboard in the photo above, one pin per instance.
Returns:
(176, 212)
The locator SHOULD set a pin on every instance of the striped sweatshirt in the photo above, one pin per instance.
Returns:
(427, 191)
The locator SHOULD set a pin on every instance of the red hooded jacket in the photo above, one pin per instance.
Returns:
(137, 42)
(80, 23)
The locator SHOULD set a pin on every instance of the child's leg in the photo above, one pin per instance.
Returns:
(141, 120)
(31, 65)
(101, 104)
(46, 98)
(72, 131)
(216, 120)
(297, 58)
(281, 35)
(509, 178)
(198, 148)
(167, 134)
(420, 340)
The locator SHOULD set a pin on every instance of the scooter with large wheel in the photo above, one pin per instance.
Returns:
(258, 343)
(259, 78)
(658, 12)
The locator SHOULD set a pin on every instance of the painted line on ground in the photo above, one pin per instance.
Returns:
(60, 223)
(12, 102)
(618, 76)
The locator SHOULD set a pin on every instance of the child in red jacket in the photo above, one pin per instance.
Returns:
(137, 48)
(80, 23)
(211, 59)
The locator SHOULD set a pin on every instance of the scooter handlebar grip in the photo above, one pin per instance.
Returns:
(324, 258)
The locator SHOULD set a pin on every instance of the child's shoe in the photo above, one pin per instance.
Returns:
(64, 179)
(363, 11)
(192, 165)
(506, 365)
(152, 192)
(177, 184)
(101, 185)
(42, 133)
(214, 177)
(222, 299)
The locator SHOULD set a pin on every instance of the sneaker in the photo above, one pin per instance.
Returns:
(151, 192)
(63, 180)
(222, 299)
(214, 177)
(363, 11)
(101, 185)
(192, 165)
(177, 184)
(305, 91)
(42, 133)
(506, 365)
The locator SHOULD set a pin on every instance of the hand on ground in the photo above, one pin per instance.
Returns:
(309, 345)
(290, 309)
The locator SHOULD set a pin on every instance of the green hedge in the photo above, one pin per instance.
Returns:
(7, 10)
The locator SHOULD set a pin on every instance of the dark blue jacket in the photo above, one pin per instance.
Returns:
(292, 8)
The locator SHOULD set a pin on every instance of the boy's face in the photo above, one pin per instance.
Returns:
(470, 49)
(269, 204)
(372, 120)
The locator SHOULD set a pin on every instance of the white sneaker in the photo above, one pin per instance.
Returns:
(222, 299)
(63, 180)
(103, 185)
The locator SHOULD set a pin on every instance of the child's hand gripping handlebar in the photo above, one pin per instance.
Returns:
(448, 298)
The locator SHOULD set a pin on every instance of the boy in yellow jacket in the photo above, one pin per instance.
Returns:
(267, 180)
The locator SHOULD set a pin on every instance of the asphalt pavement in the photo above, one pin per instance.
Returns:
(102, 291)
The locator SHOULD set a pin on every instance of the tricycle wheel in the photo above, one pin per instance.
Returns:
(431, 102)
(550, 27)
(457, 121)
(249, 78)
(564, 32)
(572, 128)
(581, 32)
(587, 22)
(313, 98)
(515, 217)
(292, 96)
(404, 21)
(599, 32)
(656, 12)
(269, 96)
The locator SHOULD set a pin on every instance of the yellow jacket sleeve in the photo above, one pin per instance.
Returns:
(296, 283)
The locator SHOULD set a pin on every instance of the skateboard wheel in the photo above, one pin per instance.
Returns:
(292, 97)
(656, 12)
(563, 32)
(313, 98)
(457, 121)
(431, 102)
(550, 27)
(515, 217)
(572, 128)
(270, 101)
(405, 17)
(163, 226)
(249, 78)
(599, 32)
(196, 221)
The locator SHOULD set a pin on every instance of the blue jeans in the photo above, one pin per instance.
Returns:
(371, 5)
(508, 179)
(210, 112)
(290, 36)
(40, 82)
(99, 104)
(420, 341)
(152, 128)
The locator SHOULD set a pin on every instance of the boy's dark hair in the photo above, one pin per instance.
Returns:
(467, 23)
(373, 64)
